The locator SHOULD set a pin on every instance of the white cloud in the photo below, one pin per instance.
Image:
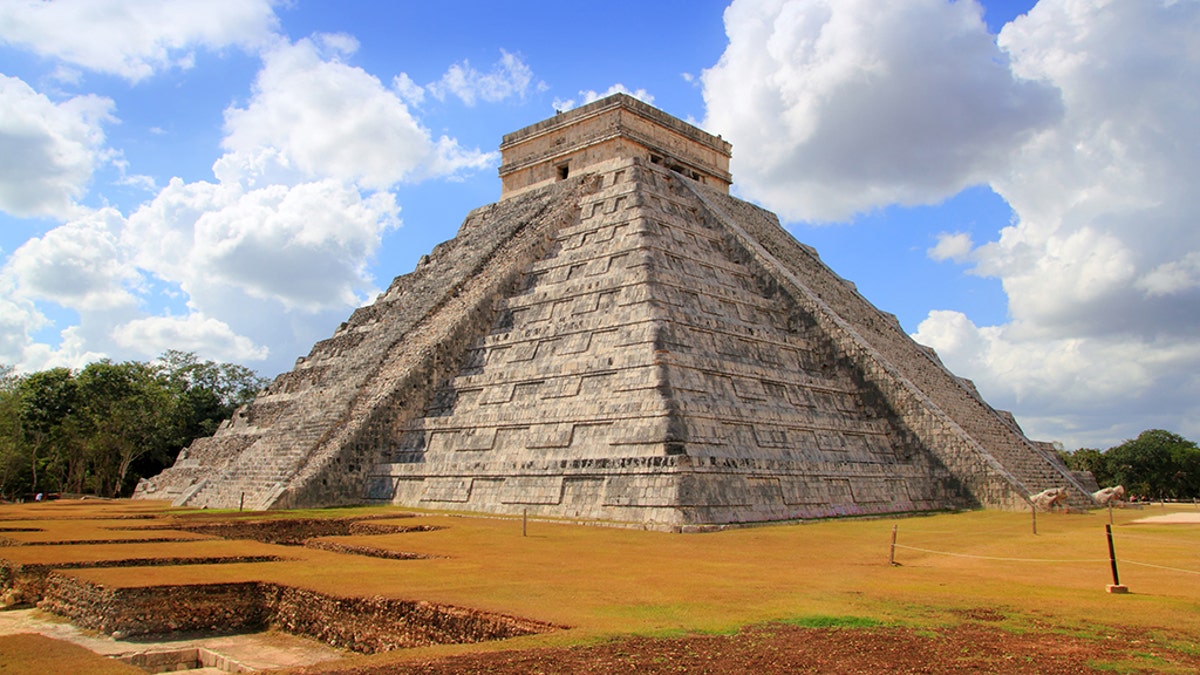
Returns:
(509, 76)
(951, 246)
(134, 38)
(192, 333)
(22, 322)
(280, 243)
(407, 90)
(836, 108)
(272, 252)
(315, 117)
(48, 150)
(586, 97)
(1084, 391)
(1106, 201)
(19, 319)
(304, 246)
(1171, 278)
(298, 209)
(72, 352)
(76, 265)
(1102, 263)
(1080, 114)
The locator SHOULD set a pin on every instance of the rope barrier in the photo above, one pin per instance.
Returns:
(1161, 567)
(1046, 560)
(986, 557)
(1116, 587)
(1162, 540)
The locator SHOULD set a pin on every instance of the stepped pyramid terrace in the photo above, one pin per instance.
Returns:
(620, 340)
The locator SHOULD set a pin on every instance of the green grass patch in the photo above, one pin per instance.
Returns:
(824, 621)
(1141, 663)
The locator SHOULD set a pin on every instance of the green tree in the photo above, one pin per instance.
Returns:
(13, 462)
(128, 411)
(212, 390)
(1157, 464)
(101, 429)
(1186, 456)
(1093, 460)
(206, 393)
(48, 403)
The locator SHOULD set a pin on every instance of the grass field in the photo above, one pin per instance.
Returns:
(600, 582)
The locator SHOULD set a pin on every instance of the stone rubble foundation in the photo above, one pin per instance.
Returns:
(365, 625)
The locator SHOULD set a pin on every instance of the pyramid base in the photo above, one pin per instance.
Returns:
(670, 493)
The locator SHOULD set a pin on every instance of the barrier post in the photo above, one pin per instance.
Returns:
(1115, 586)
(525, 523)
(1033, 510)
(892, 553)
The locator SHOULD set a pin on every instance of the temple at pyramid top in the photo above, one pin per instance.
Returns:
(615, 127)
(620, 341)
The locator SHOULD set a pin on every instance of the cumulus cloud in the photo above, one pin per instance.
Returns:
(77, 265)
(1080, 114)
(298, 209)
(48, 150)
(134, 39)
(312, 115)
(408, 90)
(19, 320)
(510, 76)
(836, 108)
(305, 246)
(272, 249)
(1172, 278)
(73, 352)
(587, 96)
(1084, 391)
(954, 246)
(1105, 201)
(1102, 264)
(192, 333)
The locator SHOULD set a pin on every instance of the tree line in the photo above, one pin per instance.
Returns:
(1157, 464)
(98, 430)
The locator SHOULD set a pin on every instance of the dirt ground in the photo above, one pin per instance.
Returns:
(779, 648)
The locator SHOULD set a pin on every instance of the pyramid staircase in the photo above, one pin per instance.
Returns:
(624, 343)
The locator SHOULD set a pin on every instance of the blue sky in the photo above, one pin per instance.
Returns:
(1014, 180)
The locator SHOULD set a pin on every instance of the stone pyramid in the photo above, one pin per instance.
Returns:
(619, 340)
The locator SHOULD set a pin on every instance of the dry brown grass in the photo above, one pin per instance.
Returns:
(37, 655)
(604, 582)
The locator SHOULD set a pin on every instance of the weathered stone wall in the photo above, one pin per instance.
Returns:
(371, 625)
(429, 354)
(646, 372)
(365, 625)
(981, 447)
(26, 583)
(313, 428)
(616, 127)
(158, 609)
(628, 346)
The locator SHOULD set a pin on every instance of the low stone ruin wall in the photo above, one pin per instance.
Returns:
(190, 658)
(366, 625)
(25, 583)
(125, 612)
(376, 624)
(297, 531)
